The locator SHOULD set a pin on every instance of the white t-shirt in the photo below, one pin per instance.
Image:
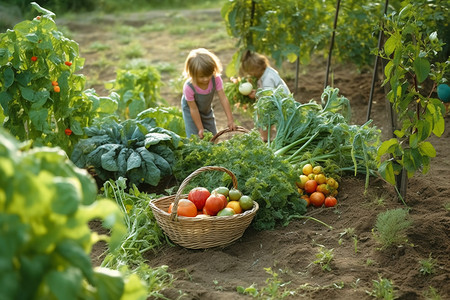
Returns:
(271, 79)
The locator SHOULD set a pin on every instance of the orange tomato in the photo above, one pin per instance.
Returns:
(214, 204)
(186, 208)
(330, 201)
(235, 206)
(310, 186)
(306, 198)
(323, 188)
(317, 199)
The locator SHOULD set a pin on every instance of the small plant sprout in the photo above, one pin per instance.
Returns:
(427, 266)
(324, 257)
(382, 289)
(275, 288)
(432, 294)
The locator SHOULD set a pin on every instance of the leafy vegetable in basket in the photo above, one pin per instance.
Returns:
(237, 91)
(134, 149)
(271, 184)
(315, 134)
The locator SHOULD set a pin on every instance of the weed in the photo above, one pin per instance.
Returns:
(324, 257)
(370, 262)
(390, 227)
(134, 50)
(382, 289)
(217, 286)
(427, 265)
(275, 288)
(432, 294)
(98, 46)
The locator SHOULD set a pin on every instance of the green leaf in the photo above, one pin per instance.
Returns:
(77, 257)
(8, 76)
(39, 119)
(392, 43)
(154, 138)
(421, 68)
(109, 159)
(426, 148)
(109, 284)
(133, 161)
(68, 195)
(387, 172)
(65, 284)
(5, 97)
(27, 93)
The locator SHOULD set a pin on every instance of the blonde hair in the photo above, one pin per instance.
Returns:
(252, 61)
(202, 62)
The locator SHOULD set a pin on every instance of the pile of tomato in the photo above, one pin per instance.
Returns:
(316, 188)
(221, 201)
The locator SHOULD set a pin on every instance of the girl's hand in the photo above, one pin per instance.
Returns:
(200, 133)
(232, 126)
(252, 95)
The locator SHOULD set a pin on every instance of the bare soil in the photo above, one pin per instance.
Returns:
(290, 251)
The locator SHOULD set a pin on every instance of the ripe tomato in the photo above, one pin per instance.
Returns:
(185, 208)
(198, 196)
(330, 201)
(68, 63)
(317, 199)
(235, 206)
(323, 188)
(57, 89)
(310, 186)
(67, 131)
(306, 198)
(213, 204)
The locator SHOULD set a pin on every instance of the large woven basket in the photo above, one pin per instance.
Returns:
(227, 133)
(196, 232)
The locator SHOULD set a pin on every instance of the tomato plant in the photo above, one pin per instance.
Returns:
(292, 29)
(32, 57)
(138, 90)
(410, 51)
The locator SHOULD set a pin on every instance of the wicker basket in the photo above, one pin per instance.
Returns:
(200, 233)
(222, 133)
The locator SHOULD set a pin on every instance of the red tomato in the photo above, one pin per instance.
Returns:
(198, 196)
(68, 131)
(330, 201)
(310, 186)
(34, 58)
(317, 199)
(213, 204)
(68, 63)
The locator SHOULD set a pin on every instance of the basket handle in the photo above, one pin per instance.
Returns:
(173, 215)
(238, 128)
